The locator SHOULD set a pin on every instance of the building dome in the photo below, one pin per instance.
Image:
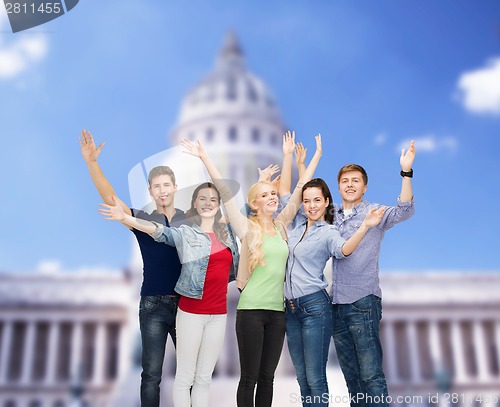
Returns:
(229, 91)
(235, 115)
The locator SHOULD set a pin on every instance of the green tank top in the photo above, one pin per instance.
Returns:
(264, 289)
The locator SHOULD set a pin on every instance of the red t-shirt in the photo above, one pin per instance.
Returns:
(214, 300)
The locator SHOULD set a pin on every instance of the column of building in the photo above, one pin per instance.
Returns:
(31, 346)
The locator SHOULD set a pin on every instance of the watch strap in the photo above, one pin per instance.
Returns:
(408, 174)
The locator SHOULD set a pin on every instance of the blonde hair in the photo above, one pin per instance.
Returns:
(255, 234)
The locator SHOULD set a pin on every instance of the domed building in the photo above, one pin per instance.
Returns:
(234, 113)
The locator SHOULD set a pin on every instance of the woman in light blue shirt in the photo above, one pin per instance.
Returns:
(311, 243)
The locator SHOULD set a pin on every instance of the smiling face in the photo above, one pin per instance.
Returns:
(263, 198)
(207, 202)
(352, 188)
(314, 203)
(162, 190)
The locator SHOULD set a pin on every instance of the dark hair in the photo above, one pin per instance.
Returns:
(353, 167)
(325, 191)
(219, 227)
(161, 170)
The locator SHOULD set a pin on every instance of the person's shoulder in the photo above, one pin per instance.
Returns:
(299, 220)
(189, 229)
(140, 214)
(365, 206)
(180, 213)
(330, 226)
(179, 218)
(154, 216)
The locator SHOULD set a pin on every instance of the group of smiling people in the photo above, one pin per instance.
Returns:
(277, 257)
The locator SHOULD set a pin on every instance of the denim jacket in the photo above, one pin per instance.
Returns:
(193, 246)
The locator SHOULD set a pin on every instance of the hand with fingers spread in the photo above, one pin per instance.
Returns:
(300, 154)
(112, 212)
(267, 173)
(288, 142)
(116, 212)
(90, 153)
(300, 157)
(407, 158)
(235, 218)
(374, 217)
(194, 148)
(88, 148)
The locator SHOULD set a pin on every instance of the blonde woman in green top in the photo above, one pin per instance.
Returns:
(260, 320)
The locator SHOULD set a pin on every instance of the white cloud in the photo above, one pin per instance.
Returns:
(22, 53)
(430, 143)
(380, 139)
(479, 90)
(55, 267)
(49, 266)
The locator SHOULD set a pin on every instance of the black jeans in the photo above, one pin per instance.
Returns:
(260, 335)
(157, 320)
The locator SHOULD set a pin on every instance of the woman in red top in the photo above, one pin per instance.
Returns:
(206, 250)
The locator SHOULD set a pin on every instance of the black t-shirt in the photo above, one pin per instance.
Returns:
(161, 262)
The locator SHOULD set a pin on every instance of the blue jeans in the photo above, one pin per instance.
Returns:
(157, 320)
(309, 332)
(356, 333)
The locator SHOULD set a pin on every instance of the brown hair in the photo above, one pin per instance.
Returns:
(219, 227)
(325, 191)
(353, 167)
(161, 170)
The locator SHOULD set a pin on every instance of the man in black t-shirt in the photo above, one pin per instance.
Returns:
(158, 305)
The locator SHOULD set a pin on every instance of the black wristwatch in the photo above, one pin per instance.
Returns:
(408, 174)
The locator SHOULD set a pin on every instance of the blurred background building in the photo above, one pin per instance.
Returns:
(71, 339)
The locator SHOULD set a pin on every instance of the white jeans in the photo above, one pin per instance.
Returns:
(199, 343)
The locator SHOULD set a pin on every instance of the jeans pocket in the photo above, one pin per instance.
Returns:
(364, 304)
(149, 303)
(316, 308)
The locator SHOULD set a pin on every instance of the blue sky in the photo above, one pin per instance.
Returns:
(368, 75)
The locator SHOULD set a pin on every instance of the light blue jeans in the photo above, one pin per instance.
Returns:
(309, 332)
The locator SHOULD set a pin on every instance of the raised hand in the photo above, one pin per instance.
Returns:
(112, 212)
(268, 172)
(288, 142)
(300, 154)
(374, 216)
(406, 159)
(194, 148)
(319, 144)
(276, 183)
(87, 146)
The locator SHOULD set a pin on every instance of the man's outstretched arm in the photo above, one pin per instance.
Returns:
(90, 153)
(406, 161)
